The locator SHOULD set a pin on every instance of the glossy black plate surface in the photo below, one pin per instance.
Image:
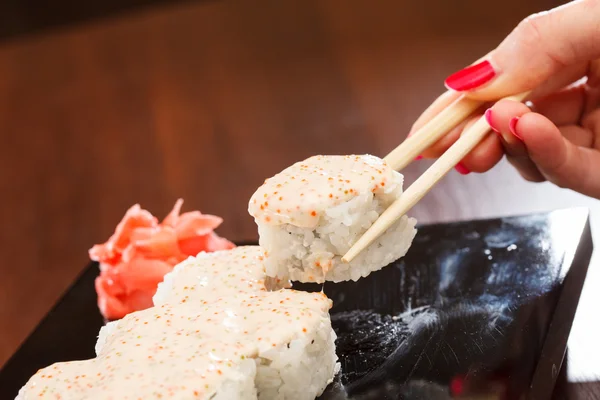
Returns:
(480, 308)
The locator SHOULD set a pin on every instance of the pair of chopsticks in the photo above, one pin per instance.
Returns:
(413, 146)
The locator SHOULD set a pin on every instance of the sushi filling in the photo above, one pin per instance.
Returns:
(314, 255)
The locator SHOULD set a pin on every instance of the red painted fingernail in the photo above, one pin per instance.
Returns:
(471, 77)
(418, 158)
(460, 167)
(457, 385)
(512, 125)
(488, 118)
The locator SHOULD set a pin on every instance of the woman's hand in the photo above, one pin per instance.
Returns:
(556, 136)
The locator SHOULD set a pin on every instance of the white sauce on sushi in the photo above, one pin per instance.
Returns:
(301, 193)
(211, 276)
(192, 351)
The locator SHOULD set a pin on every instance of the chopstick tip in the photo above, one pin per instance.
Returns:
(349, 256)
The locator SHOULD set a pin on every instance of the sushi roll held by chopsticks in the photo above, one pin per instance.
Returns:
(310, 214)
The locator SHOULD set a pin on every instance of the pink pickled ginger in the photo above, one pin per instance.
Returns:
(137, 256)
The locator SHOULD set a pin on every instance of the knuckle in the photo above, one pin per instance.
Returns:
(534, 35)
(590, 5)
(528, 31)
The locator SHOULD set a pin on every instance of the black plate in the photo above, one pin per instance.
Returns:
(481, 307)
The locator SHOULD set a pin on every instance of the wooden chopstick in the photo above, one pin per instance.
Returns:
(431, 132)
(467, 142)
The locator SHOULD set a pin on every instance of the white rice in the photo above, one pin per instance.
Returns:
(301, 368)
(240, 384)
(314, 255)
(105, 332)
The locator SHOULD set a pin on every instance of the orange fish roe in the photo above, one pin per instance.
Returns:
(324, 175)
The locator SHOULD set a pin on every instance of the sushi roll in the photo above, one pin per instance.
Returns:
(267, 345)
(154, 353)
(211, 276)
(295, 357)
(311, 213)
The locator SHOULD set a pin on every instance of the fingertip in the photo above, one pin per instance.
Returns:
(500, 114)
(543, 140)
(501, 117)
(485, 155)
(534, 128)
(462, 169)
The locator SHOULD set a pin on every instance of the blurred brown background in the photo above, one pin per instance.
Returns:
(104, 106)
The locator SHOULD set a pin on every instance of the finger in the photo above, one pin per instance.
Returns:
(591, 122)
(438, 105)
(539, 47)
(559, 160)
(564, 107)
(482, 158)
(440, 147)
(499, 117)
(485, 155)
(526, 168)
(577, 135)
(594, 74)
(592, 99)
(561, 79)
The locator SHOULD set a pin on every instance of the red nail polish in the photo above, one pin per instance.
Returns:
(471, 77)
(488, 118)
(457, 385)
(512, 125)
(418, 158)
(460, 167)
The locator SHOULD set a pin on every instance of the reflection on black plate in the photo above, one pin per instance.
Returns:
(475, 309)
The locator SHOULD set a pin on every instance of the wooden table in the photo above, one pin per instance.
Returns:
(203, 100)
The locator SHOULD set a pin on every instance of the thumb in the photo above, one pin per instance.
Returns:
(541, 46)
